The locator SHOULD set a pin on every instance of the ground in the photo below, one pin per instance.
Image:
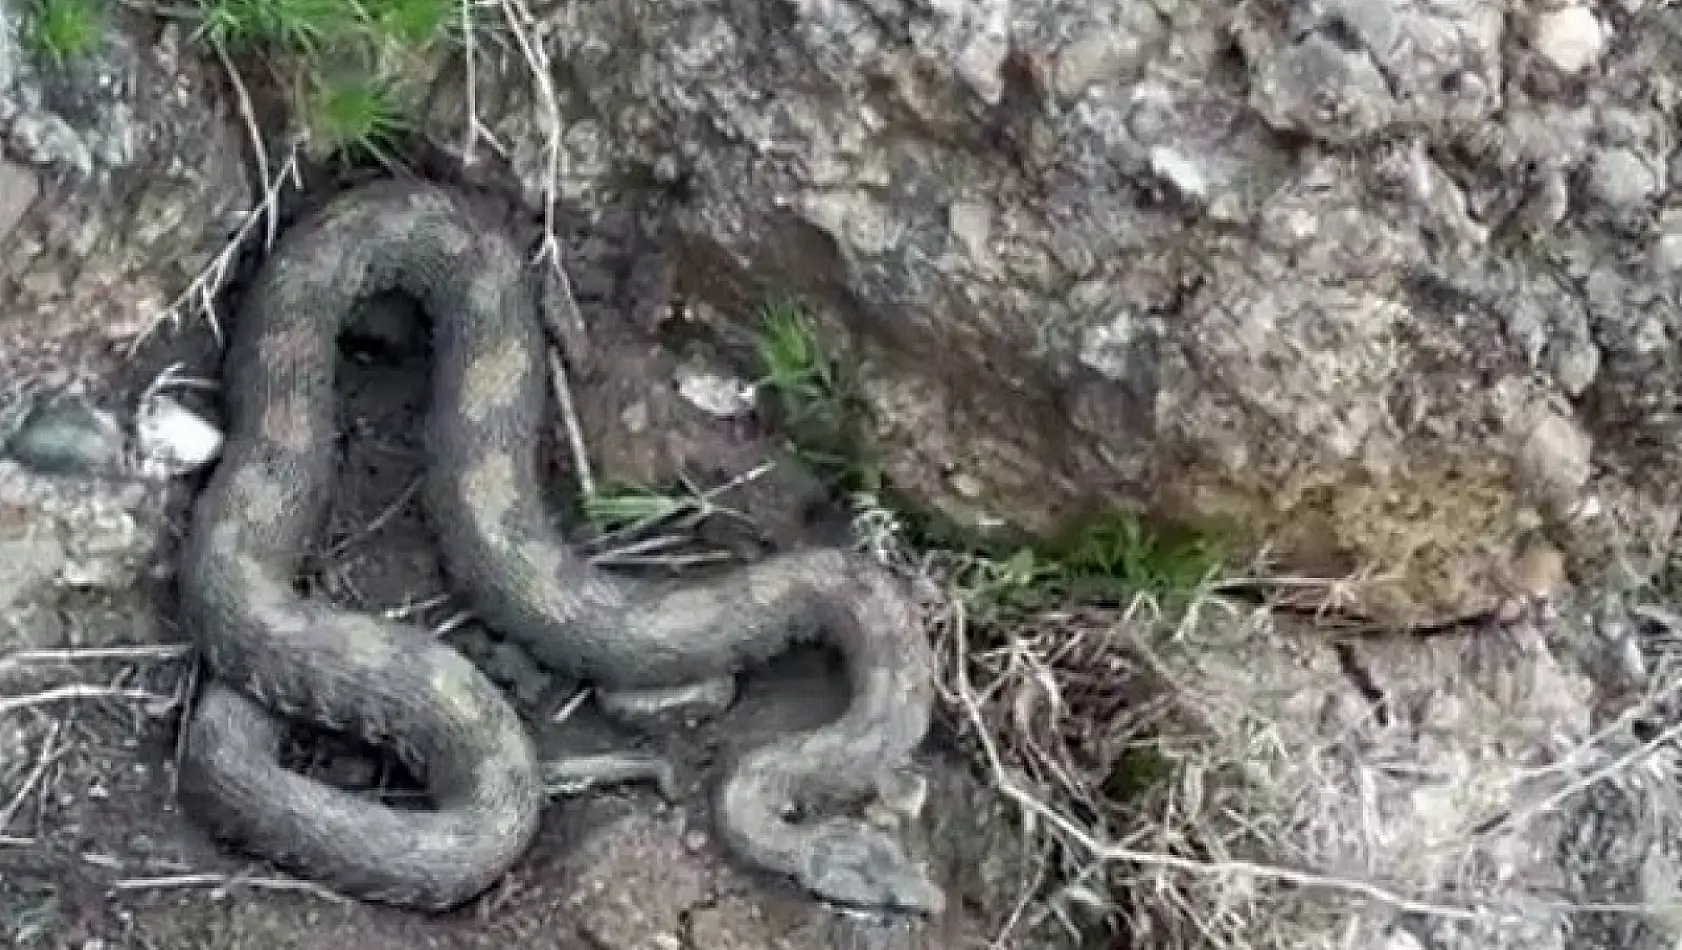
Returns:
(97, 855)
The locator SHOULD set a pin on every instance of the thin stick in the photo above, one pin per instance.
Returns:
(453, 622)
(676, 561)
(1108, 852)
(700, 503)
(419, 607)
(259, 150)
(209, 280)
(168, 651)
(569, 419)
(380, 520)
(76, 691)
(184, 692)
(570, 706)
(50, 753)
(470, 137)
(1519, 819)
(520, 21)
(226, 882)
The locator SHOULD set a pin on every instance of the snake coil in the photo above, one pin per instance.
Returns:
(274, 655)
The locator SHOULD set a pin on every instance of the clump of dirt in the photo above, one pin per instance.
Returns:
(100, 857)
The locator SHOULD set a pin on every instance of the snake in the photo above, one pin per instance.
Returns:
(275, 655)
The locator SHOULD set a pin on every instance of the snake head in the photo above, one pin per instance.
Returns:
(864, 868)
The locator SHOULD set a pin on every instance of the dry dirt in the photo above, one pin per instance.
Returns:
(99, 857)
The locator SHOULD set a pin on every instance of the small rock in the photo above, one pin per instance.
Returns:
(19, 187)
(635, 417)
(1576, 364)
(69, 437)
(1571, 39)
(1179, 170)
(967, 485)
(1540, 571)
(636, 881)
(971, 222)
(1667, 254)
(1555, 458)
(1621, 180)
(1107, 348)
(174, 438)
(723, 397)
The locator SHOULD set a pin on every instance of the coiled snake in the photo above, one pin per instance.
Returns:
(273, 654)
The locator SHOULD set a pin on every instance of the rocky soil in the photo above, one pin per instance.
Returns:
(1385, 287)
(99, 856)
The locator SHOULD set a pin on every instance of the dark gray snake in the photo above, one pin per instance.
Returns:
(273, 654)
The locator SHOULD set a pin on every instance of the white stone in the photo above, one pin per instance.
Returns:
(723, 397)
(174, 438)
(1179, 170)
(1571, 38)
(1667, 254)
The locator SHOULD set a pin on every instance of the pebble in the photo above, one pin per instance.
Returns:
(1619, 178)
(1180, 170)
(175, 438)
(722, 397)
(1667, 254)
(1571, 38)
(1540, 571)
(66, 438)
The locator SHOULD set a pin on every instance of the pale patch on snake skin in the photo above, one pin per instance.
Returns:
(263, 501)
(288, 349)
(275, 614)
(453, 680)
(456, 244)
(494, 379)
(287, 424)
(491, 486)
(224, 539)
(495, 772)
(693, 611)
(366, 643)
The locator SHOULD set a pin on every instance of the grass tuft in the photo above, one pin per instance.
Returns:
(355, 116)
(64, 31)
(798, 373)
(619, 506)
(410, 24)
(308, 26)
(815, 401)
(348, 60)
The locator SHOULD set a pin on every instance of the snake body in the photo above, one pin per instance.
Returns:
(273, 654)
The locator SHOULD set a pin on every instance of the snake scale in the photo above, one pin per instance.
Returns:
(274, 655)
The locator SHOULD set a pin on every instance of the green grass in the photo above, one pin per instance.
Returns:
(798, 373)
(357, 116)
(307, 26)
(814, 399)
(410, 24)
(64, 31)
(617, 507)
(348, 60)
(349, 56)
(1103, 558)
(320, 27)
